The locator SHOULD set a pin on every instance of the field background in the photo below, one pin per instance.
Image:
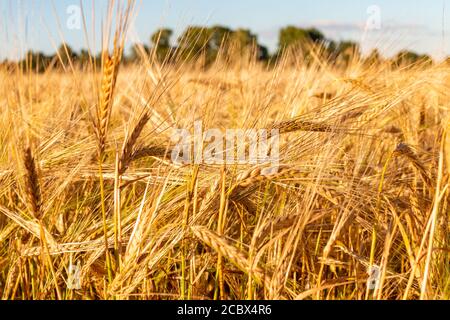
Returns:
(86, 179)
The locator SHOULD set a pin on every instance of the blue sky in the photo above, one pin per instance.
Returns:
(420, 25)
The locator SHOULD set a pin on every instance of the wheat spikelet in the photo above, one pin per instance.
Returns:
(210, 198)
(406, 151)
(393, 130)
(362, 260)
(33, 190)
(30, 225)
(151, 151)
(220, 84)
(7, 231)
(64, 248)
(294, 125)
(11, 278)
(128, 149)
(360, 84)
(227, 250)
(324, 95)
(257, 175)
(276, 225)
(250, 180)
(365, 261)
(109, 78)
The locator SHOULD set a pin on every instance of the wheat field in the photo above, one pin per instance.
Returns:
(87, 180)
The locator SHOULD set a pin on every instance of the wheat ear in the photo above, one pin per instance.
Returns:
(227, 250)
(109, 79)
(128, 149)
(276, 225)
(32, 185)
(151, 151)
(406, 151)
(257, 175)
(299, 125)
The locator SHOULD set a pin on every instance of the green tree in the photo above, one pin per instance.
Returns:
(348, 48)
(374, 57)
(292, 36)
(161, 44)
(220, 37)
(244, 38)
(245, 44)
(408, 58)
(66, 55)
(84, 58)
(263, 53)
(195, 41)
(315, 35)
(137, 50)
(206, 43)
(36, 61)
(161, 38)
(344, 51)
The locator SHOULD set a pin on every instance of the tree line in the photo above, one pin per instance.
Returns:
(208, 44)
